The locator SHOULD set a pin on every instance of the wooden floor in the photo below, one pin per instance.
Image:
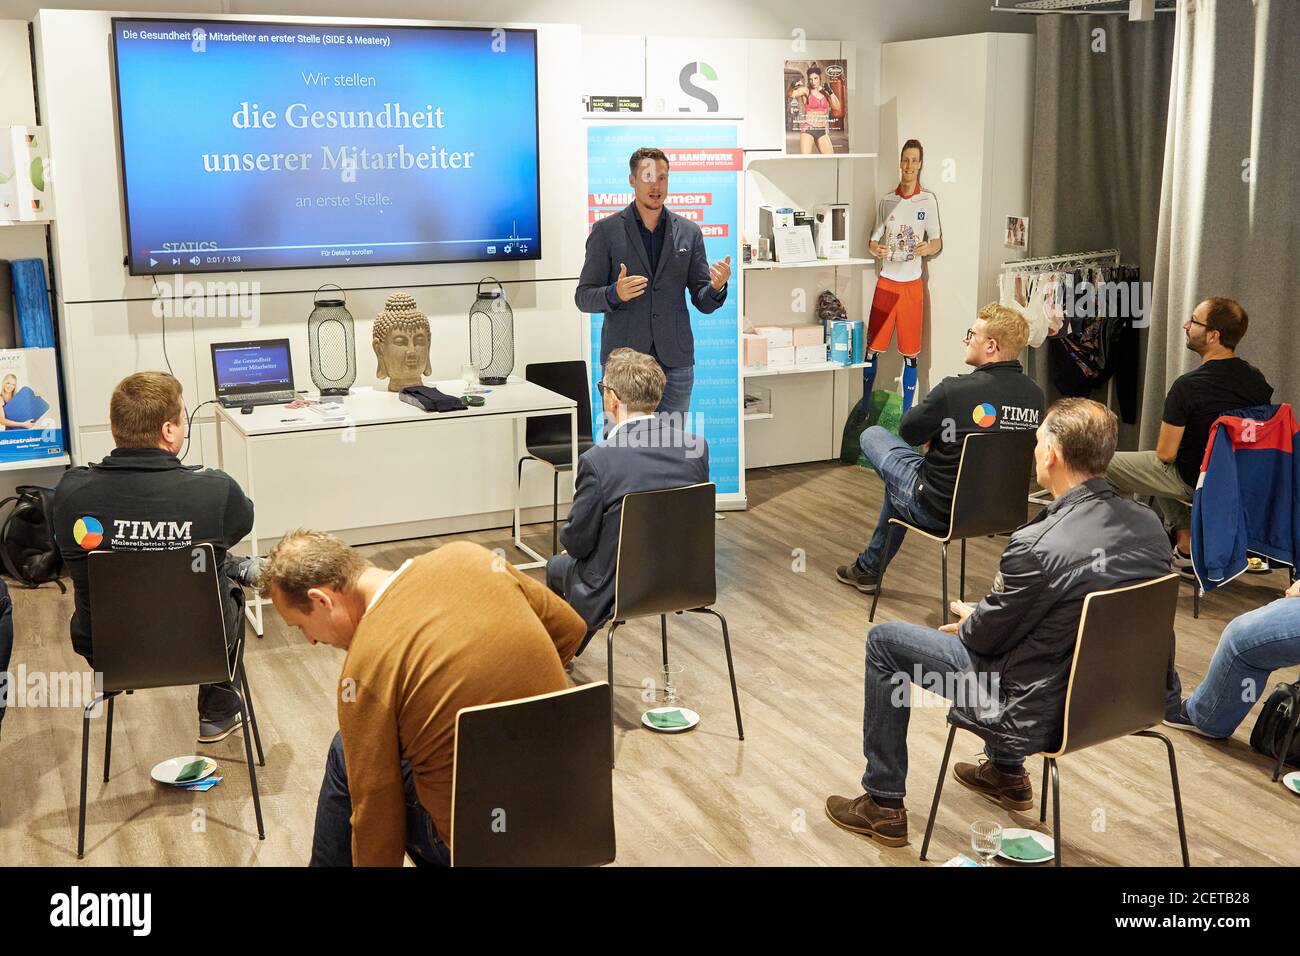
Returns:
(703, 798)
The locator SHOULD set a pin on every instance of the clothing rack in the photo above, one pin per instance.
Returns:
(1066, 261)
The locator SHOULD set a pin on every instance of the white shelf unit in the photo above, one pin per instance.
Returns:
(767, 266)
(809, 402)
(827, 366)
(768, 155)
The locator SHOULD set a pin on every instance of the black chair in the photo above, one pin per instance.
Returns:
(988, 498)
(546, 437)
(1116, 689)
(665, 566)
(531, 783)
(157, 621)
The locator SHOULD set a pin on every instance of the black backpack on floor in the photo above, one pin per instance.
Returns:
(1270, 729)
(27, 546)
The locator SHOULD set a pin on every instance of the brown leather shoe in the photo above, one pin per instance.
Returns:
(863, 815)
(1011, 791)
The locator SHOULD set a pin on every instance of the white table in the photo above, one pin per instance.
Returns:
(385, 463)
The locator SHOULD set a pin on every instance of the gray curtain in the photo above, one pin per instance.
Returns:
(1100, 104)
(1230, 195)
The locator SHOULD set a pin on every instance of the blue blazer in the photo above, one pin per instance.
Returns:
(648, 454)
(683, 269)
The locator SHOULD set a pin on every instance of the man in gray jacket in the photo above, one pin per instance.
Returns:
(641, 263)
(1006, 663)
(641, 452)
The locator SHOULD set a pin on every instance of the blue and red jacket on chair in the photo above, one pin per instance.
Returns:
(1246, 495)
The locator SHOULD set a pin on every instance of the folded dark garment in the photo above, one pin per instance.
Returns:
(430, 399)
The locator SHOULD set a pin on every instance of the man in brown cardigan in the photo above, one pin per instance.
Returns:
(453, 628)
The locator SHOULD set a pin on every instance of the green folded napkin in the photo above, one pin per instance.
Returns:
(1024, 848)
(191, 770)
(669, 719)
(1294, 784)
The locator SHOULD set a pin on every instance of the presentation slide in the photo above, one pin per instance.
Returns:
(263, 364)
(251, 145)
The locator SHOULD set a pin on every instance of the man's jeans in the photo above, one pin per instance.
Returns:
(897, 654)
(678, 383)
(1251, 648)
(899, 466)
(331, 844)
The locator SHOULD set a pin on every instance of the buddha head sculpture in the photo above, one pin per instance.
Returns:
(401, 341)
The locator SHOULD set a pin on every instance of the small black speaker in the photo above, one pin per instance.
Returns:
(331, 340)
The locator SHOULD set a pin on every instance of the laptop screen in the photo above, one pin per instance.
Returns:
(245, 368)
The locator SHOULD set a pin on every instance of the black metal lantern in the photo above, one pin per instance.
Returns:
(331, 340)
(492, 334)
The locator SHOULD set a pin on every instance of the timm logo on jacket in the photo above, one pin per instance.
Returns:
(127, 534)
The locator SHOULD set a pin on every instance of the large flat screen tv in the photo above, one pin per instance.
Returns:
(254, 145)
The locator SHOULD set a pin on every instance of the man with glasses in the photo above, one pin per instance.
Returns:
(641, 451)
(997, 396)
(1221, 383)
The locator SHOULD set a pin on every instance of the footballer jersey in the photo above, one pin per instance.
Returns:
(902, 222)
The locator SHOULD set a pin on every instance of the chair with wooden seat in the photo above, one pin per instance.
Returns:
(546, 437)
(158, 621)
(988, 498)
(665, 565)
(532, 783)
(1116, 687)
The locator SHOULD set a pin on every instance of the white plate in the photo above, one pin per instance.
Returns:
(1042, 839)
(689, 714)
(1292, 781)
(167, 771)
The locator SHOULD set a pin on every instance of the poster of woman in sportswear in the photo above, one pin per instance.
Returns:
(906, 232)
(816, 114)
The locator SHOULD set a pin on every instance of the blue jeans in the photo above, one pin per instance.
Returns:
(897, 654)
(677, 389)
(900, 467)
(331, 844)
(1252, 647)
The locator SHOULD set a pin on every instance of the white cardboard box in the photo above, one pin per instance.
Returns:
(778, 336)
(27, 194)
(780, 357)
(809, 354)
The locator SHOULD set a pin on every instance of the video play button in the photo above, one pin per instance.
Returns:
(153, 261)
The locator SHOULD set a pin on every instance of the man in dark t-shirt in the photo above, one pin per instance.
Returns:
(1220, 384)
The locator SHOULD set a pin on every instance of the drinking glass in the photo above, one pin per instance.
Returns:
(985, 840)
(670, 676)
(469, 372)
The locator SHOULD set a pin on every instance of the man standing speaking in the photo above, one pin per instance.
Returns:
(639, 264)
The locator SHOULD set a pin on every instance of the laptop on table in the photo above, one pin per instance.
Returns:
(253, 373)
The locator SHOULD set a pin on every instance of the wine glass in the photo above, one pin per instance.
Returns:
(469, 373)
(985, 840)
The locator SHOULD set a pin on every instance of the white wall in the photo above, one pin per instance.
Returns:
(108, 316)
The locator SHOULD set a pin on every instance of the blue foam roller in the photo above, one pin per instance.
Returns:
(31, 295)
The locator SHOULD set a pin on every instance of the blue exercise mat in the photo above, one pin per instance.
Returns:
(31, 294)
